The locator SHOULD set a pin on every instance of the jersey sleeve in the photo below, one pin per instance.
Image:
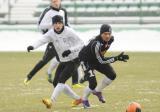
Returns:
(45, 20)
(65, 17)
(43, 40)
(96, 47)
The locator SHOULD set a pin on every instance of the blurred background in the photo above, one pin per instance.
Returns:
(131, 20)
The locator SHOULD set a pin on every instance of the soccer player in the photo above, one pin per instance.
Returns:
(92, 57)
(67, 45)
(45, 23)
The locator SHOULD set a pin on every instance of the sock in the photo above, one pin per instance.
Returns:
(105, 82)
(86, 93)
(80, 73)
(56, 92)
(68, 91)
(52, 66)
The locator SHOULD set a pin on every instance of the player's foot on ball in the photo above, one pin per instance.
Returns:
(86, 104)
(76, 102)
(49, 78)
(99, 95)
(47, 102)
(77, 86)
(26, 81)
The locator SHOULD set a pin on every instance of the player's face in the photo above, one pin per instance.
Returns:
(56, 3)
(106, 36)
(58, 26)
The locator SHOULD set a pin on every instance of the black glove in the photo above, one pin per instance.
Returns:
(66, 53)
(29, 48)
(122, 57)
(111, 40)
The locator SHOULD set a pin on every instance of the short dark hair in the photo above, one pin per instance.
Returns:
(57, 18)
(105, 28)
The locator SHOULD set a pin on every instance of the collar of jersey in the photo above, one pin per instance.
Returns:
(55, 8)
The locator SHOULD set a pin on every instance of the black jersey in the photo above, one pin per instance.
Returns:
(92, 53)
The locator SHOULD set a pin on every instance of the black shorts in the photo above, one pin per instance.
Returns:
(65, 70)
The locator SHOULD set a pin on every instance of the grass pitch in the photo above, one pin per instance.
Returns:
(137, 80)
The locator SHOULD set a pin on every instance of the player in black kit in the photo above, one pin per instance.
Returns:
(92, 58)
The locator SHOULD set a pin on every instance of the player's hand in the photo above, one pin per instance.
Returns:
(66, 53)
(29, 48)
(122, 57)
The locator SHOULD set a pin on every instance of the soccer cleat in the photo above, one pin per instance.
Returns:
(47, 102)
(86, 104)
(49, 78)
(99, 95)
(26, 81)
(77, 86)
(76, 102)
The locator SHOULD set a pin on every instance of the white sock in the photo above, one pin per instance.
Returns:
(80, 73)
(68, 91)
(87, 92)
(52, 66)
(57, 90)
(105, 82)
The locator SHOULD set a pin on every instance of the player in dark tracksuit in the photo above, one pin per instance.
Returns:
(92, 58)
(45, 23)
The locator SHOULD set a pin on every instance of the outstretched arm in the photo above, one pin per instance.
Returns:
(43, 40)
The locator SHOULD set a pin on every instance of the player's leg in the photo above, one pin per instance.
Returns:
(53, 65)
(59, 69)
(89, 89)
(61, 86)
(58, 89)
(110, 75)
(75, 79)
(48, 55)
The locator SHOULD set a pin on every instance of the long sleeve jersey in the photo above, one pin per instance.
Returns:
(92, 53)
(45, 20)
(66, 40)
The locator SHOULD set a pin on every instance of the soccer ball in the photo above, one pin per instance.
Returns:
(134, 107)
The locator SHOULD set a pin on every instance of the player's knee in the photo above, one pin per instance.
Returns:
(92, 86)
(55, 83)
(62, 81)
(113, 76)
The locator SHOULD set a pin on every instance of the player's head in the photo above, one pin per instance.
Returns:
(105, 32)
(58, 24)
(56, 3)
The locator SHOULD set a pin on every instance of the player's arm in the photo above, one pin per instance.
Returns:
(103, 60)
(96, 49)
(45, 20)
(65, 17)
(43, 40)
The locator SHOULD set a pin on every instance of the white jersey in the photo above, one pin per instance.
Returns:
(66, 40)
(45, 20)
